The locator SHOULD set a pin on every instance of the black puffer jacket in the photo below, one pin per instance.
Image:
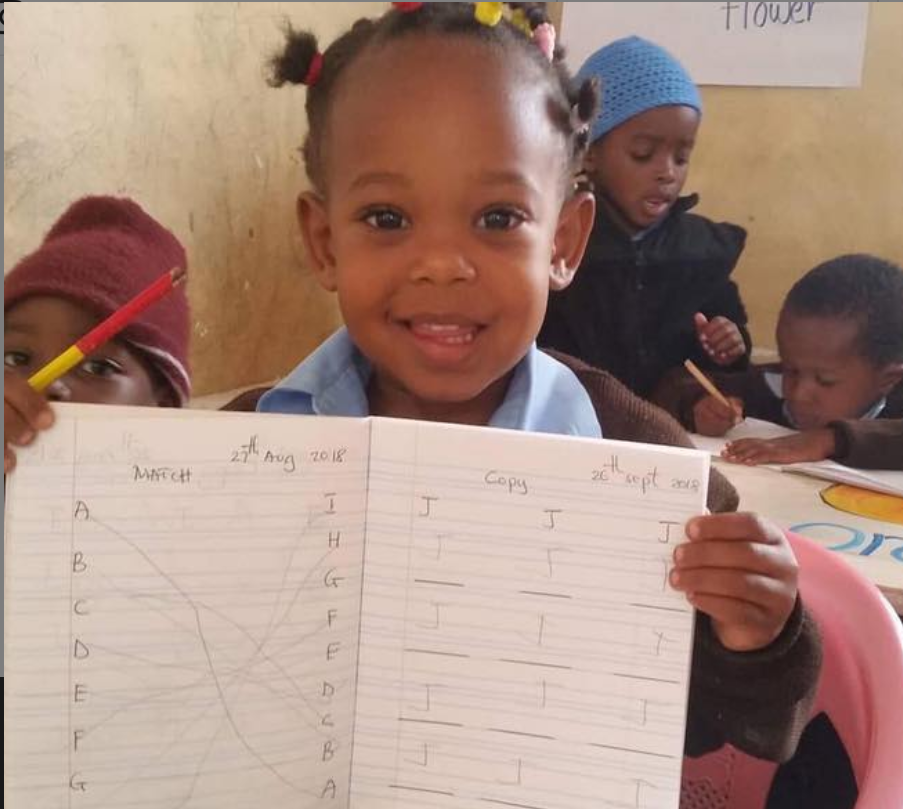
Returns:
(630, 308)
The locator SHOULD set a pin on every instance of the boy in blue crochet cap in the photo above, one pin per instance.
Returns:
(654, 287)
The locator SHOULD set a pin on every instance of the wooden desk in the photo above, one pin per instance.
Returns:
(793, 501)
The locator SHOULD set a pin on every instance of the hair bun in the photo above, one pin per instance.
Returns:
(299, 62)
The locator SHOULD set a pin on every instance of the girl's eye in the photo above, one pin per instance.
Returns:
(644, 157)
(102, 368)
(825, 382)
(682, 159)
(385, 219)
(501, 219)
(16, 359)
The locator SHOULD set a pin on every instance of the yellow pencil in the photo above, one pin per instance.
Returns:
(707, 383)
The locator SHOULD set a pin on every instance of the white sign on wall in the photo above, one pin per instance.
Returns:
(761, 44)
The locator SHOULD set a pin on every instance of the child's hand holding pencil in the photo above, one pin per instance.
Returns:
(716, 413)
(712, 418)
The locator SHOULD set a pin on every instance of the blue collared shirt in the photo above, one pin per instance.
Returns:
(544, 396)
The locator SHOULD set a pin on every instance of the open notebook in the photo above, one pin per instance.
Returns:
(236, 610)
(884, 482)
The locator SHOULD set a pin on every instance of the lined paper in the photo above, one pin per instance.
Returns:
(230, 610)
(519, 643)
(182, 609)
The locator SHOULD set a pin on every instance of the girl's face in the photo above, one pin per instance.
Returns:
(40, 328)
(640, 167)
(444, 223)
(825, 376)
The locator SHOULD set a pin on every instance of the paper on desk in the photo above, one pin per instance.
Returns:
(748, 428)
(885, 482)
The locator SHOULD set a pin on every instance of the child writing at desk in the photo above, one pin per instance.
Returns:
(840, 381)
(99, 254)
(442, 145)
(654, 287)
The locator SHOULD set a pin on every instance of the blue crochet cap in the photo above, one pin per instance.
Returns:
(636, 75)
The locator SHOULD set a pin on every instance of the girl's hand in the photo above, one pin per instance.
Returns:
(720, 338)
(740, 570)
(24, 414)
(810, 445)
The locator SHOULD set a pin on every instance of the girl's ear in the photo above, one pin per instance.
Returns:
(317, 235)
(575, 223)
(891, 376)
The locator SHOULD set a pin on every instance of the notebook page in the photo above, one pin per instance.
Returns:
(885, 482)
(519, 643)
(182, 610)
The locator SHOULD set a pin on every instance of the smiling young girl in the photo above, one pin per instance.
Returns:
(442, 146)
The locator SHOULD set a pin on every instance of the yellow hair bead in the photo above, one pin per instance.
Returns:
(519, 20)
(488, 13)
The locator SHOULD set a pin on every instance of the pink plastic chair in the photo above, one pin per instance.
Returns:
(861, 690)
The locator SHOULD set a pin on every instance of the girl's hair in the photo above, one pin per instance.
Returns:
(858, 287)
(573, 106)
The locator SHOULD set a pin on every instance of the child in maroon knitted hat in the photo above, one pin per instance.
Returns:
(99, 254)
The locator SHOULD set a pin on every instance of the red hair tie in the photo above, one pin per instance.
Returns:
(313, 72)
(406, 7)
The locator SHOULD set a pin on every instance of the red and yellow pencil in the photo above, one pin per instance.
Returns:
(106, 330)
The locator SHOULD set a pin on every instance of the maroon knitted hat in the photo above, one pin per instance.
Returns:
(101, 253)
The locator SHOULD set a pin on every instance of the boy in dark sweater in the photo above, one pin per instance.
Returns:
(654, 287)
(840, 381)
